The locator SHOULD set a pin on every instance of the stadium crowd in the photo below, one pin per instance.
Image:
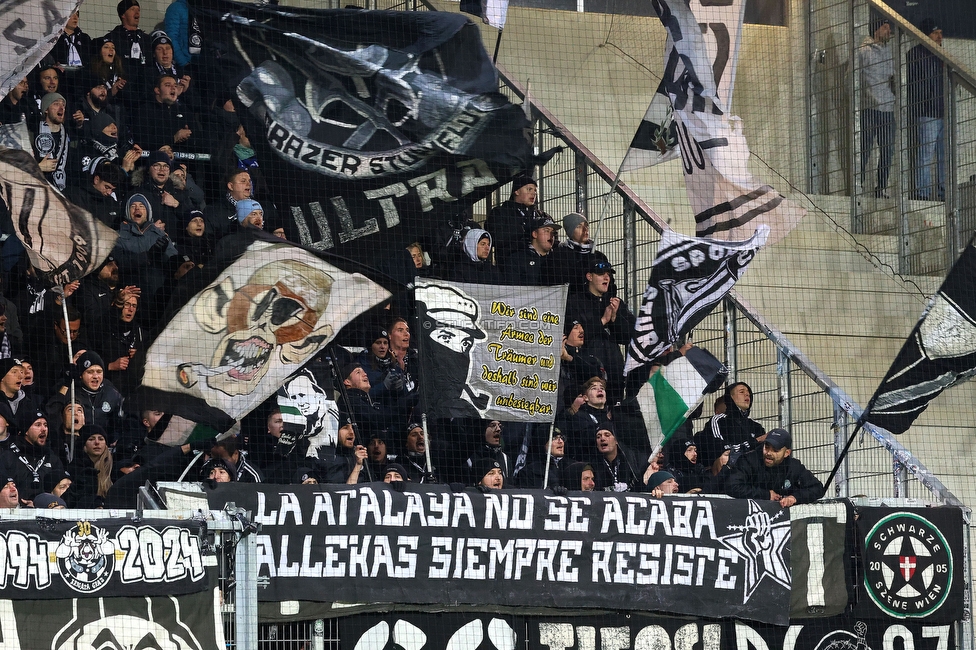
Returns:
(124, 129)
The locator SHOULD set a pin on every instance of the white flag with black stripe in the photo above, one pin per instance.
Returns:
(728, 201)
(689, 277)
(701, 39)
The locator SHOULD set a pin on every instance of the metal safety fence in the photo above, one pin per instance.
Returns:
(892, 122)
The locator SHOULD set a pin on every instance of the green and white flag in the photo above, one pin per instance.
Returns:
(678, 388)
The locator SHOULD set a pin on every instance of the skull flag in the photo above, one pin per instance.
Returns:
(368, 124)
(64, 242)
(234, 343)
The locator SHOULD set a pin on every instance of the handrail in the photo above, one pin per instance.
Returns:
(595, 163)
(958, 69)
(840, 397)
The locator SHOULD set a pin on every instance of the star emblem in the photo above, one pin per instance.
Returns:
(907, 567)
(762, 543)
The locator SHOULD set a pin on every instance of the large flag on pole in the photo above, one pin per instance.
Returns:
(689, 277)
(64, 242)
(939, 353)
(728, 201)
(699, 70)
(237, 341)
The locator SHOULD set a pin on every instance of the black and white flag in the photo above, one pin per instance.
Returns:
(490, 351)
(29, 31)
(939, 353)
(727, 200)
(688, 278)
(376, 126)
(703, 39)
(64, 242)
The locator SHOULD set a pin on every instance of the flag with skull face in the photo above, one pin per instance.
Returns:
(234, 343)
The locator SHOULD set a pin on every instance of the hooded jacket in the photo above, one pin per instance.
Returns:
(751, 479)
(734, 426)
(471, 269)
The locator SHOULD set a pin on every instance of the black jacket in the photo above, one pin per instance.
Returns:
(751, 479)
(603, 341)
(508, 224)
(735, 428)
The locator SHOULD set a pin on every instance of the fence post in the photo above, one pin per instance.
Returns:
(900, 477)
(582, 194)
(246, 591)
(728, 315)
(632, 285)
(954, 236)
(841, 432)
(785, 388)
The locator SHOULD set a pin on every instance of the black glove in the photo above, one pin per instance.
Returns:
(560, 490)
(161, 244)
(393, 382)
(457, 487)
(484, 489)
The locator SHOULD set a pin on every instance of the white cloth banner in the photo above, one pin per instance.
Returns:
(28, 31)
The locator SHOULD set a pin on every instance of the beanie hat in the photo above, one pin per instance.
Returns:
(46, 500)
(377, 334)
(125, 5)
(521, 181)
(159, 157)
(100, 121)
(6, 365)
(27, 417)
(138, 198)
(159, 37)
(347, 369)
(50, 480)
(571, 221)
(246, 207)
(710, 449)
(657, 478)
(49, 99)
(90, 358)
(90, 430)
(481, 466)
(396, 467)
(215, 463)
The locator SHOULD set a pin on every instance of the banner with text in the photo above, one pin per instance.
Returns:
(43, 559)
(913, 563)
(370, 544)
(490, 351)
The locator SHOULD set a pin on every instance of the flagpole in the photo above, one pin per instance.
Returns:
(545, 478)
(498, 43)
(67, 331)
(430, 467)
(843, 455)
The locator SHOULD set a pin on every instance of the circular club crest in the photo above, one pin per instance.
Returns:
(86, 557)
(908, 566)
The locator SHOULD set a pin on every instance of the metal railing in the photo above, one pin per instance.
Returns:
(929, 105)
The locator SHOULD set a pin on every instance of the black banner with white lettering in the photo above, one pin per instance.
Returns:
(188, 622)
(645, 633)
(371, 544)
(54, 558)
(366, 122)
(913, 563)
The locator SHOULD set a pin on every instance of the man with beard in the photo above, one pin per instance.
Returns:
(734, 427)
(774, 475)
(143, 250)
(607, 321)
(682, 462)
(51, 140)
(92, 101)
(579, 476)
(123, 339)
(616, 470)
(29, 455)
(449, 319)
(163, 121)
(508, 223)
(534, 474)
(347, 466)
(414, 461)
(98, 195)
(168, 204)
(491, 447)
